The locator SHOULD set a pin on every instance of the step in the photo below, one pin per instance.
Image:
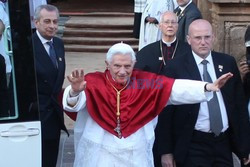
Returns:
(90, 48)
(104, 22)
(98, 40)
(97, 33)
(98, 26)
(98, 14)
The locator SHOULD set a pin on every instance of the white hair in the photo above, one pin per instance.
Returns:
(120, 48)
(167, 12)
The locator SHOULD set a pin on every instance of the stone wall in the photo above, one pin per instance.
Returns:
(229, 19)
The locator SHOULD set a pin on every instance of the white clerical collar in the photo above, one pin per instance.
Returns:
(247, 44)
(169, 43)
(184, 7)
(198, 59)
(43, 40)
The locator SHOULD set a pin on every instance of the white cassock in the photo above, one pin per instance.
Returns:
(33, 4)
(95, 147)
(150, 32)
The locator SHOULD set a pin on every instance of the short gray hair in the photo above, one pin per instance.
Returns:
(167, 12)
(50, 8)
(120, 48)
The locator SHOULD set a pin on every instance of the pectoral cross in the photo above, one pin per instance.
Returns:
(118, 129)
(118, 98)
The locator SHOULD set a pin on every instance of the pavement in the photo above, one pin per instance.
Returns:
(66, 153)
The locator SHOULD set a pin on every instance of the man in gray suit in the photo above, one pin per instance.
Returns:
(187, 12)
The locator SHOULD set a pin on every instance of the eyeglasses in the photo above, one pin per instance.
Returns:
(168, 22)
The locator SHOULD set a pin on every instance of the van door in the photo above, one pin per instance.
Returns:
(20, 127)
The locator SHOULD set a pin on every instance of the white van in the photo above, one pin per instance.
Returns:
(20, 128)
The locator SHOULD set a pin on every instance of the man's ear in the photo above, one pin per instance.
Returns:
(213, 37)
(134, 63)
(36, 22)
(188, 39)
(160, 26)
(107, 64)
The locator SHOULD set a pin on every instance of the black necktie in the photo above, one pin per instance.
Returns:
(216, 124)
(52, 53)
(178, 12)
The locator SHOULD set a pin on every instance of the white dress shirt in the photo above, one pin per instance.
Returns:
(44, 42)
(203, 123)
(184, 7)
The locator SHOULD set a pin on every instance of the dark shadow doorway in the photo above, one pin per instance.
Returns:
(86, 6)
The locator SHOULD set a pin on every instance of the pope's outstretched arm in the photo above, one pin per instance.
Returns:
(183, 91)
(186, 91)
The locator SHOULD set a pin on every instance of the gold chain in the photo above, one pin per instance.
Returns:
(163, 59)
(118, 113)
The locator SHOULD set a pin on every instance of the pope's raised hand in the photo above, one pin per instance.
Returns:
(77, 81)
(220, 82)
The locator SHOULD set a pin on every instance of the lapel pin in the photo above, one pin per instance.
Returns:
(160, 58)
(60, 59)
(220, 68)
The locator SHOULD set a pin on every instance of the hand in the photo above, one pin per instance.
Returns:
(77, 81)
(246, 161)
(152, 20)
(167, 160)
(219, 82)
(244, 68)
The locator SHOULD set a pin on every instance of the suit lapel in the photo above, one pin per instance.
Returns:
(218, 65)
(44, 65)
(183, 13)
(191, 67)
(61, 66)
(42, 56)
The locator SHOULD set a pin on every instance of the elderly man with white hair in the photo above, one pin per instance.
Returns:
(117, 109)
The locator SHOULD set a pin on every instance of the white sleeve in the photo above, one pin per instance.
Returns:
(80, 101)
(188, 92)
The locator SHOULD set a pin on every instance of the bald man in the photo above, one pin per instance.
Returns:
(191, 140)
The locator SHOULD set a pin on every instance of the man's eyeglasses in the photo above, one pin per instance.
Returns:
(168, 22)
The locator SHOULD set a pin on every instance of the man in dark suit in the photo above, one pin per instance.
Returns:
(191, 139)
(245, 68)
(187, 12)
(50, 70)
(153, 57)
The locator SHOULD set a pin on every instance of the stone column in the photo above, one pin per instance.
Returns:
(205, 8)
(229, 20)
